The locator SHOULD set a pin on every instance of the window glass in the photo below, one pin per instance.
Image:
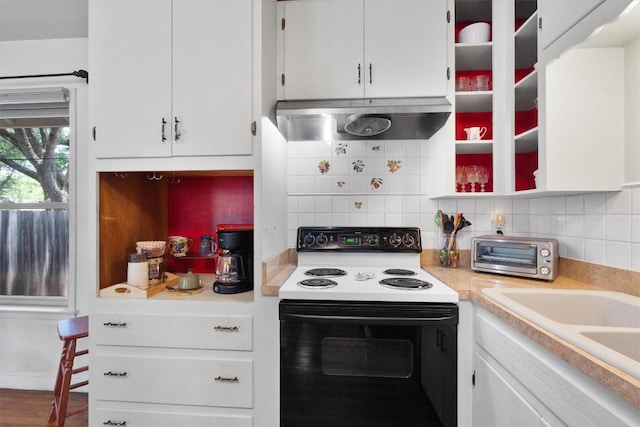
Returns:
(34, 211)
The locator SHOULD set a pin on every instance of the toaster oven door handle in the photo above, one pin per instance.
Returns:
(512, 260)
(516, 246)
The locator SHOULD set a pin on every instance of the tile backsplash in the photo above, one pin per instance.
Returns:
(380, 183)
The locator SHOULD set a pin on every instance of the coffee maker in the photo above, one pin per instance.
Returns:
(234, 266)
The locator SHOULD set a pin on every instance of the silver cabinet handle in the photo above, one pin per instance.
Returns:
(227, 379)
(164, 134)
(115, 374)
(114, 423)
(359, 73)
(176, 132)
(227, 328)
(116, 324)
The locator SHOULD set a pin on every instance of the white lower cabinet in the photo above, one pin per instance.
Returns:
(128, 418)
(519, 383)
(178, 369)
(204, 332)
(172, 380)
(496, 402)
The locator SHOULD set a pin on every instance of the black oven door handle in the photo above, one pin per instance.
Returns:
(371, 320)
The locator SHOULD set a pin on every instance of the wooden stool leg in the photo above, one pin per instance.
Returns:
(57, 413)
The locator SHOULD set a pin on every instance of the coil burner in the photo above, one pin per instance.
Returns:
(399, 272)
(325, 272)
(405, 283)
(317, 283)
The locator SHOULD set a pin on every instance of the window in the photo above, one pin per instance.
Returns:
(35, 159)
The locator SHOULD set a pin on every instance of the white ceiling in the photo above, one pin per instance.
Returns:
(42, 19)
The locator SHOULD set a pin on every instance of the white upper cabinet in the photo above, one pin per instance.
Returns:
(333, 49)
(323, 48)
(130, 76)
(405, 48)
(583, 130)
(559, 16)
(564, 24)
(212, 77)
(171, 78)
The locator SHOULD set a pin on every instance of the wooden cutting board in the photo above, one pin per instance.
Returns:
(125, 290)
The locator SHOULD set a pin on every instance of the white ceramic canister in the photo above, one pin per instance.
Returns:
(138, 270)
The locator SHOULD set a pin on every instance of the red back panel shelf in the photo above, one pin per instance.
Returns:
(197, 205)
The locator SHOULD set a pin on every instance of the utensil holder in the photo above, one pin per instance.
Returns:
(449, 252)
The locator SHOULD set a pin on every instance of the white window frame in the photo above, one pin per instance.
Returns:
(66, 304)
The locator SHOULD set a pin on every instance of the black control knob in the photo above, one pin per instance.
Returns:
(408, 240)
(395, 240)
(373, 240)
(322, 239)
(309, 239)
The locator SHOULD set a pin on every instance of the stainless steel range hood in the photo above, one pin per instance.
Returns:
(353, 119)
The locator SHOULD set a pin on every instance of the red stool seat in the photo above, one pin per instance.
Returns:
(69, 330)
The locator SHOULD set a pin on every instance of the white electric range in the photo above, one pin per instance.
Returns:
(362, 264)
(372, 339)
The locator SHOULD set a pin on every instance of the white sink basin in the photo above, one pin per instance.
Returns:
(605, 324)
(578, 307)
(624, 342)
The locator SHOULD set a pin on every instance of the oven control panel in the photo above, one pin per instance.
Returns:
(359, 239)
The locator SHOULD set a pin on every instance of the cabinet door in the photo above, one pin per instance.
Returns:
(584, 121)
(559, 16)
(130, 77)
(496, 402)
(323, 49)
(405, 48)
(212, 75)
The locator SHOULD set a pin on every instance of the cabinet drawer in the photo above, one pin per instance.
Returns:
(177, 331)
(117, 417)
(180, 381)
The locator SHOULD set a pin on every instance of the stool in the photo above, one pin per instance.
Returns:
(69, 331)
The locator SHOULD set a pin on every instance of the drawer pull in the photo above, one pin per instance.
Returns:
(115, 374)
(114, 423)
(227, 380)
(116, 324)
(227, 328)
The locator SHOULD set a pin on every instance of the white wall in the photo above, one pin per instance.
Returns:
(30, 348)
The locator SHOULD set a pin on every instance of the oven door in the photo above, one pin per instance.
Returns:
(367, 364)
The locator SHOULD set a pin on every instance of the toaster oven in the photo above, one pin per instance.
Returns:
(516, 256)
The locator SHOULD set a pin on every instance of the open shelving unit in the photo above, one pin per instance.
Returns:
(525, 90)
(474, 105)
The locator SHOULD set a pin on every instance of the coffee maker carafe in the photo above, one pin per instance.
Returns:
(234, 266)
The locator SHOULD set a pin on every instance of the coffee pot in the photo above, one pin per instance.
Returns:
(234, 266)
(229, 268)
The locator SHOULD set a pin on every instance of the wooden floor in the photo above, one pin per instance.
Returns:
(27, 408)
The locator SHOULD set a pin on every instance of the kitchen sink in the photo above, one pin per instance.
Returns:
(577, 307)
(603, 323)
